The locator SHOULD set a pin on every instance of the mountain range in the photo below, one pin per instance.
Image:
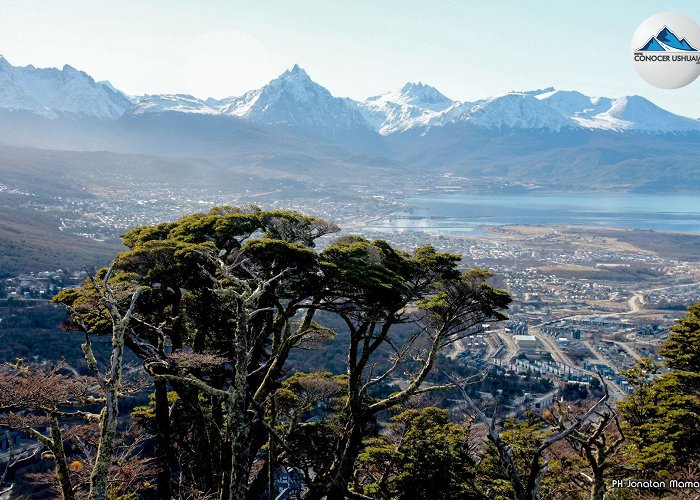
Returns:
(293, 127)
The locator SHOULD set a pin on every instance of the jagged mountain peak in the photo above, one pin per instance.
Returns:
(295, 72)
(51, 92)
(294, 99)
(418, 88)
(296, 84)
(415, 94)
(426, 95)
(294, 76)
(410, 86)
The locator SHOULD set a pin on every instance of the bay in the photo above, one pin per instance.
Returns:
(467, 213)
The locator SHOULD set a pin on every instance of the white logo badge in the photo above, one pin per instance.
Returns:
(666, 50)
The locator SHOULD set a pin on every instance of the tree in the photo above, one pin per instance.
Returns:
(13, 461)
(34, 398)
(374, 288)
(597, 440)
(423, 455)
(661, 414)
(52, 405)
(215, 319)
(520, 447)
(110, 382)
(227, 295)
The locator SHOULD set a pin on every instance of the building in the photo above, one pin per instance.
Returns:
(526, 343)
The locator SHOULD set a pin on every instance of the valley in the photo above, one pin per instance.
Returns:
(587, 217)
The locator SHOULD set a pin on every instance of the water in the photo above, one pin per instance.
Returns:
(467, 213)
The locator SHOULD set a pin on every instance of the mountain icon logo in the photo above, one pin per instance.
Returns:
(667, 41)
(665, 50)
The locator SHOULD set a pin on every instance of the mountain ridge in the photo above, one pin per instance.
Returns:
(293, 99)
(51, 92)
(295, 129)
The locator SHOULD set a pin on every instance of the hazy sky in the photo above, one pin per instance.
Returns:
(467, 49)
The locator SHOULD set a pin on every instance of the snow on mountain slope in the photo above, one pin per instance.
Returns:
(402, 109)
(570, 102)
(294, 99)
(109, 85)
(625, 113)
(549, 109)
(181, 103)
(538, 109)
(514, 110)
(418, 94)
(50, 92)
(635, 113)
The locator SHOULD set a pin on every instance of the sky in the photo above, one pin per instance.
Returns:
(355, 48)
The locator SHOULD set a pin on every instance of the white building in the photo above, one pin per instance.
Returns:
(526, 343)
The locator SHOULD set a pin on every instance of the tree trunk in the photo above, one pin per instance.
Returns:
(237, 419)
(111, 385)
(239, 432)
(99, 477)
(598, 486)
(335, 484)
(163, 451)
(62, 473)
(205, 463)
(271, 457)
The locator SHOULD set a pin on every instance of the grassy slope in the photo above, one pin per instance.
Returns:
(29, 242)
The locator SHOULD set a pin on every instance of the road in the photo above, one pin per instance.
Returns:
(551, 345)
(558, 355)
(511, 348)
(601, 359)
(634, 354)
(635, 304)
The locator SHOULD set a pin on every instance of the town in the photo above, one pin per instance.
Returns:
(586, 300)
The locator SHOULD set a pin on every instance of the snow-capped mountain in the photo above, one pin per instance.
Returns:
(109, 85)
(635, 112)
(625, 113)
(294, 128)
(402, 109)
(518, 110)
(514, 110)
(571, 103)
(293, 99)
(557, 109)
(51, 92)
(179, 103)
